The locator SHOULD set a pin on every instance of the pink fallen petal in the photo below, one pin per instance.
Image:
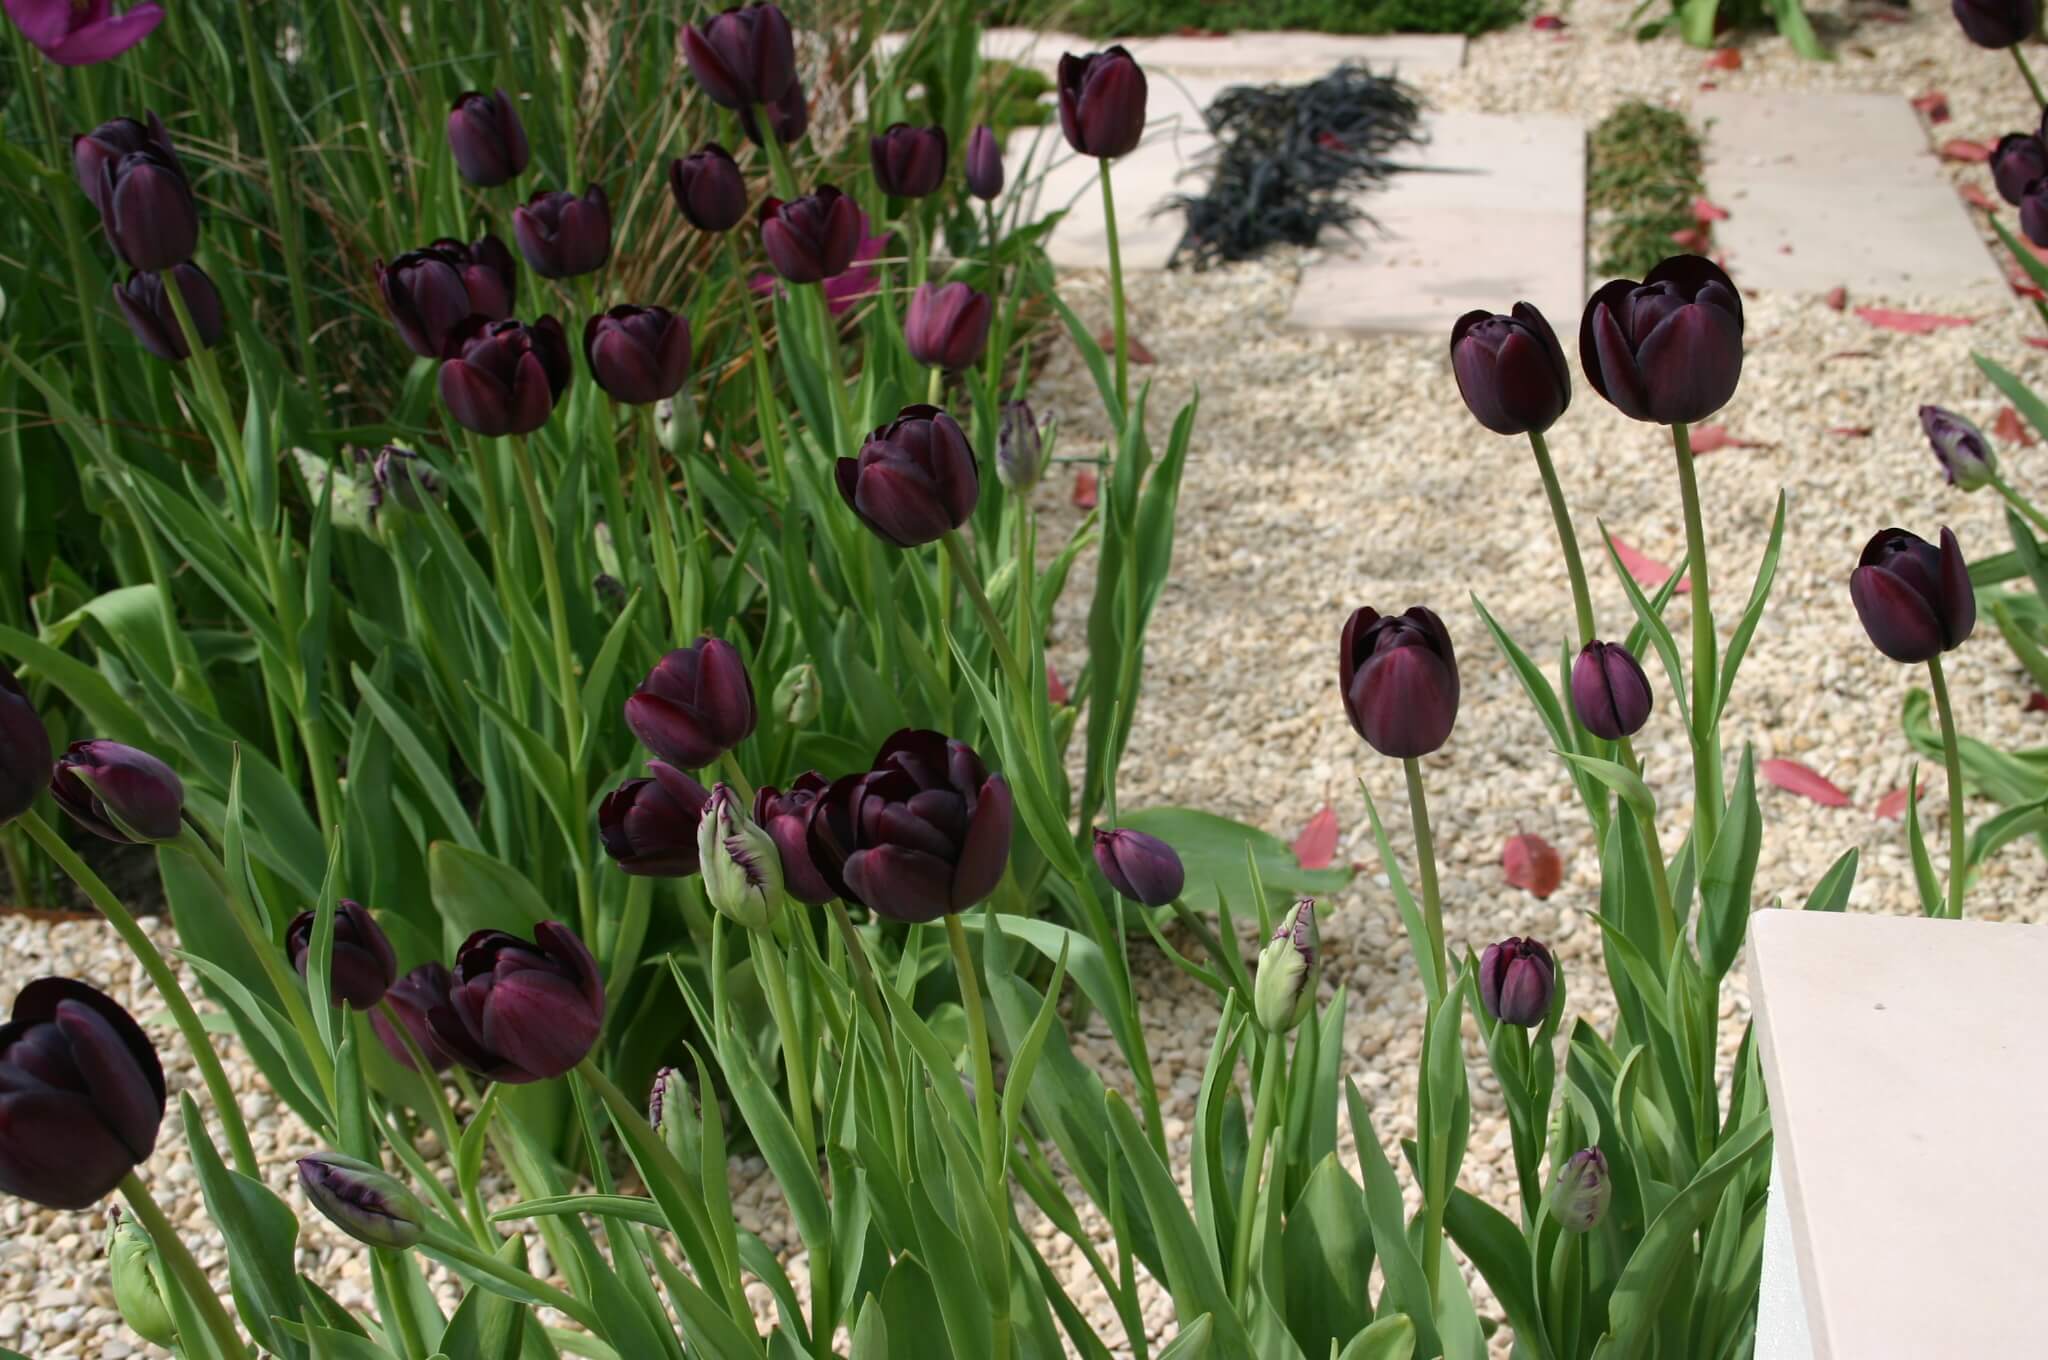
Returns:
(1693, 239)
(1838, 297)
(1850, 431)
(1708, 438)
(1892, 806)
(1849, 354)
(1794, 777)
(1963, 149)
(1648, 571)
(2007, 426)
(1724, 59)
(1056, 688)
(1706, 210)
(2037, 702)
(1531, 864)
(1977, 198)
(1316, 846)
(1912, 323)
(2037, 341)
(1084, 489)
(1933, 106)
(1547, 23)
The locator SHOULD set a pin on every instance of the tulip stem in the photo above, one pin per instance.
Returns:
(161, 977)
(2018, 502)
(1567, 538)
(2020, 60)
(1660, 876)
(864, 975)
(1706, 742)
(794, 1064)
(1952, 757)
(444, 1120)
(995, 1174)
(1116, 293)
(177, 1258)
(1425, 857)
(999, 638)
(1273, 1055)
(488, 1265)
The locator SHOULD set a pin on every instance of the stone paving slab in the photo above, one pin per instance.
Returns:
(1838, 189)
(1494, 214)
(1245, 57)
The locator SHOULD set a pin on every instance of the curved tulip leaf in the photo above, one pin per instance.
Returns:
(1193, 1342)
(1498, 1252)
(1832, 892)
(1650, 619)
(1624, 781)
(1931, 902)
(473, 892)
(1391, 1338)
(1728, 875)
(1556, 720)
(1433, 981)
(1406, 1288)
(488, 1326)
(625, 1208)
(1753, 611)
(261, 1235)
(1327, 1251)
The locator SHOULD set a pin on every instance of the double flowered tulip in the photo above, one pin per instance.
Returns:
(946, 325)
(639, 355)
(695, 705)
(741, 864)
(708, 188)
(1284, 986)
(649, 826)
(504, 377)
(812, 238)
(146, 306)
(1516, 981)
(82, 32)
(1140, 867)
(2017, 161)
(1610, 693)
(412, 999)
(984, 164)
(1668, 349)
(562, 235)
(487, 138)
(81, 1095)
(915, 478)
(363, 1200)
(1960, 447)
(1997, 23)
(24, 749)
(1102, 102)
(1510, 370)
(909, 162)
(520, 1011)
(362, 964)
(119, 792)
(1399, 677)
(742, 57)
(786, 816)
(1915, 599)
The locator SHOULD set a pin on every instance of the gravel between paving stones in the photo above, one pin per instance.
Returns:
(1328, 473)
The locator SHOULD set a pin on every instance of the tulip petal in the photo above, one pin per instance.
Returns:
(986, 851)
(1407, 702)
(669, 731)
(1958, 598)
(1612, 366)
(540, 1021)
(1898, 619)
(56, 1152)
(476, 399)
(1691, 363)
(900, 503)
(43, 22)
(107, 39)
(901, 884)
(119, 1088)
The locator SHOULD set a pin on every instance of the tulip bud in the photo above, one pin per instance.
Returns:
(98, 151)
(1102, 102)
(1510, 370)
(487, 138)
(1516, 981)
(695, 705)
(1609, 691)
(1284, 986)
(412, 998)
(1668, 349)
(1020, 448)
(1580, 1196)
(119, 792)
(708, 189)
(742, 868)
(81, 1095)
(672, 1113)
(812, 238)
(364, 1201)
(521, 1011)
(638, 354)
(24, 749)
(147, 208)
(1399, 678)
(649, 826)
(946, 326)
(2017, 161)
(796, 697)
(146, 305)
(504, 377)
(742, 57)
(1140, 867)
(984, 164)
(909, 162)
(915, 478)
(362, 964)
(401, 481)
(562, 235)
(1960, 447)
(1915, 600)
(1997, 23)
(137, 1279)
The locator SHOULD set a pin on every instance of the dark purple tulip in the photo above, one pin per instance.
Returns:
(1399, 677)
(790, 115)
(649, 826)
(2034, 213)
(364, 964)
(2018, 160)
(923, 834)
(81, 1095)
(146, 305)
(1997, 23)
(1102, 102)
(1915, 599)
(562, 235)
(489, 273)
(1960, 447)
(520, 1011)
(1510, 370)
(504, 377)
(426, 298)
(639, 355)
(83, 32)
(708, 188)
(786, 817)
(412, 998)
(95, 152)
(147, 208)
(742, 57)
(112, 790)
(909, 162)
(1610, 693)
(1140, 867)
(1668, 349)
(24, 749)
(695, 705)
(914, 480)
(1516, 979)
(813, 238)
(984, 164)
(946, 325)
(487, 138)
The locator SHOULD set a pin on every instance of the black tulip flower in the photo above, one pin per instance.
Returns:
(984, 164)
(95, 152)
(1510, 370)
(147, 208)
(708, 188)
(487, 138)
(412, 998)
(426, 298)
(923, 834)
(519, 1010)
(1399, 677)
(639, 355)
(2017, 161)
(1960, 447)
(1609, 691)
(562, 235)
(915, 478)
(504, 377)
(1140, 867)
(1915, 599)
(362, 965)
(363, 1200)
(81, 1095)
(489, 274)
(790, 115)
(1020, 447)
(1668, 349)
(946, 325)
(146, 305)
(1997, 23)
(2034, 213)
(1102, 102)
(1516, 980)
(24, 749)
(649, 826)
(909, 162)
(786, 816)
(742, 57)
(119, 792)
(812, 238)
(695, 705)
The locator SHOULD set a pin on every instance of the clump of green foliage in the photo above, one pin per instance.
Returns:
(1642, 176)
(1136, 18)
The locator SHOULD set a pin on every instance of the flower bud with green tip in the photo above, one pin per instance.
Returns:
(796, 695)
(672, 1113)
(1285, 986)
(1960, 447)
(742, 868)
(1582, 1191)
(138, 1285)
(362, 1200)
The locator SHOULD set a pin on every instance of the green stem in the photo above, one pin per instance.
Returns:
(171, 1250)
(995, 1174)
(729, 766)
(2020, 60)
(486, 1264)
(1706, 742)
(999, 638)
(2018, 502)
(1567, 539)
(1952, 757)
(1116, 293)
(795, 1063)
(444, 1123)
(1273, 1056)
(1660, 876)
(661, 521)
(1425, 855)
(864, 976)
(390, 1264)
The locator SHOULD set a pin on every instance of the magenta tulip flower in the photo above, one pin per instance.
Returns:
(82, 32)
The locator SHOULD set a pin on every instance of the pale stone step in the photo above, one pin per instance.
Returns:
(1244, 57)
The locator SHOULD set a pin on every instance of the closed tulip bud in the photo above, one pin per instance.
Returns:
(638, 355)
(412, 998)
(984, 164)
(137, 1280)
(649, 826)
(1284, 986)
(147, 208)
(2034, 213)
(742, 867)
(119, 792)
(812, 238)
(742, 57)
(1510, 370)
(1915, 599)
(2017, 161)
(1582, 1191)
(504, 377)
(24, 749)
(672, 1113)
(362, 965)
(708, 188)
(695, 705)
(425, 297)
(1020, 447)
(1960, 447)
(1140, 867)
(1102, 102)
(1997, 23)
(790, 115)
(946, 325)
(363, 1200)
(1668, 349)
(1609, 691)
(521, 1011)
(487, 138)
(915, 478)
(401, 480)
(909, 162)
(562, 235)
(96, 152)
(1516, 981)
(146, 305)
(796, 697)
(81, 1095)
(1399, 678)
(786, 817)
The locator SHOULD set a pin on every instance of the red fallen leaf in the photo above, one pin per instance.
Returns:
(1850, 354)
(1648, 571)
(1531, 864)
(1838, 297)
(1933, 106)
(2007, 427)
(1709, 85)
(1793, 777)
(1084, 489)
(1912, 323)
(2037, 702)
(1892, 806)
(1977, 198)
(2022, 287)
(1547, 23)
(1850, 431)
(2038, 341)
(1136, 347)
(1707, 438)
(1316, 846)
(1724, 59)
(1704, 210)
(1056, 688)
(1693, 239)
(1963, 149)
